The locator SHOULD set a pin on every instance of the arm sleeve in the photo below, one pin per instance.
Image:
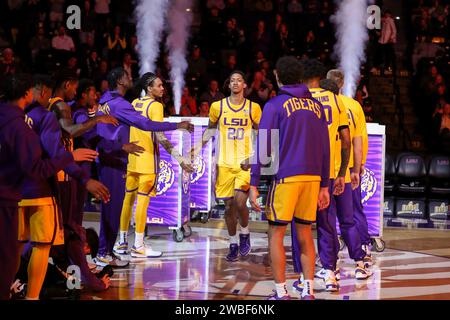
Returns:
(29, 154)
(269, 120)
(127, 114)
(51, 142)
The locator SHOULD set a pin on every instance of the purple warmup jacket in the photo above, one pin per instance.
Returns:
(114, 104)
(21, 155)
(303, 132)
(46, 126)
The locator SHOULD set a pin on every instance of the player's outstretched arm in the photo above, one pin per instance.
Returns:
(167, 145)
(206, 136)
(339, 183)
(357, 161)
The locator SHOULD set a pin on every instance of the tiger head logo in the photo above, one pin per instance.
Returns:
(369, 185)
(166, 177)
(199, 169)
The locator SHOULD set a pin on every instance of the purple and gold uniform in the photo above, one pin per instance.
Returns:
(39, 216)
(340, 206)
(235, 125)
(113, 165)
(20, 157)
(303, 154)
(357, 120)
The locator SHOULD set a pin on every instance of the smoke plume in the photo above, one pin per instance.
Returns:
(150, 16)
(352, 34)
(179, 18)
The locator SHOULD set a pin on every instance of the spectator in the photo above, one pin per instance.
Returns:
(38, 43)
(265, 6)
(196, 64)
(130, 66)
(261, 39)
(62, 41)
(88, 46)
(91, 64)
(100, 74)
(294, 7)
(204, 109)
(368, 110)
(56, 12)
(441, 99)
(230, 39)
(229, 67)
(310, 45)
(133, 48)
(188, 104)
(116, 44)
(8, 66)
(72, 64)
(259, 89)
(213, 94)
(387, 40)
(101, 13)
(232, 9)
(284, 43)
(87, 22)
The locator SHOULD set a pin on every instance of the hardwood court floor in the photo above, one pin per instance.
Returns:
(415, 265)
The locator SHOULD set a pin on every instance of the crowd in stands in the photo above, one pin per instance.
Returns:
(226, 35)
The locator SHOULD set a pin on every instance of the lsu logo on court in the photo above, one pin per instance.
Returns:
(369, 185)
(166, 177)
(199, 169)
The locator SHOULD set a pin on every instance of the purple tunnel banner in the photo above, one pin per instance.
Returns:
(170, 207)
(372, 181)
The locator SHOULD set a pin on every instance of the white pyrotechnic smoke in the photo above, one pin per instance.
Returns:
(180, 17)
(351, 33)
(150, 17)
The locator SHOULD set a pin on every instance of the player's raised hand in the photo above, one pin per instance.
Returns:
(355, 180)
(252, 196)
(107, 119)
(324, 199)
(133, 148)
(339, 185)
(98, 189)
(84, 154)
(186, 125)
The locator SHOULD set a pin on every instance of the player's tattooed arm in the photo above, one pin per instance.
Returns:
(64, 116)
(168, 146)
(344, 135)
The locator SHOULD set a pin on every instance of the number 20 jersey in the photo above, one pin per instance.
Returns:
(336, 115)
(235, 123)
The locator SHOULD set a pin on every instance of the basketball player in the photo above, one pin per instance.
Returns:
(142, 169)
(235, 117)
(360, 145)
(112, 166)
(300, 185)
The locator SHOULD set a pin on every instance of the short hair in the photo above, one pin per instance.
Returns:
(40, 80)
(329, 85)
(289, 70)
(313, 68)
(83, 87)
(238, 72)
(63, 76)
(92, 241)
(337, 76)
(114, 76)
(15, 86)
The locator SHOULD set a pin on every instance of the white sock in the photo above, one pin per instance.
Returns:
(308, 287)
(281, 289)
(123, 236)
(245, 230)
(233, 239)
(138, 240)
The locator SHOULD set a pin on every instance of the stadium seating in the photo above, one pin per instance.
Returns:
(439, 187)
